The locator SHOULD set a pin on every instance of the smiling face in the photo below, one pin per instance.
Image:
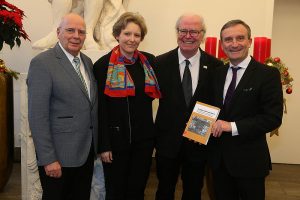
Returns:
(71, 33)
(187, 42)
(129, 39)
(236, 43)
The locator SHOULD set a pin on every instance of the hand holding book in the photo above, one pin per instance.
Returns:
(219, 127)
(200, 123)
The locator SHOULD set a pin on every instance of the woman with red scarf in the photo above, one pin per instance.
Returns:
(127, 85)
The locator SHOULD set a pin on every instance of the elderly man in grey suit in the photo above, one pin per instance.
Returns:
(62, 105)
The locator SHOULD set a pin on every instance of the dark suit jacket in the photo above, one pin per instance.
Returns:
(123, 120)
(256, 107)
(173, 113)
(62, 118)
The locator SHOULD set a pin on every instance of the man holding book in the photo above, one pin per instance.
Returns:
(184, 75)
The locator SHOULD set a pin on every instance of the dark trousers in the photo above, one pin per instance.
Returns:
(126, 177)
(74, 184)
(228, 187)
(192, 174)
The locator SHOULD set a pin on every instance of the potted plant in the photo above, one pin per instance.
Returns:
(11, 32)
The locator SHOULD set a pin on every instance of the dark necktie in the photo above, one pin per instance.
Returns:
(187, 83)
(76, 60)
(231, 87)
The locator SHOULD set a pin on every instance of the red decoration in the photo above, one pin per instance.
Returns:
(268, 51)
(277, 59)
(260, 49)
(11, 25)
(211, 45)
(221, 54)
(289, 90)
(286, 78)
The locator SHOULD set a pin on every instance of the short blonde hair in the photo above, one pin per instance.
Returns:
(126, 18)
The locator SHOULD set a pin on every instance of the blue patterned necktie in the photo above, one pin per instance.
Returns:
(187, 83)
(231, 87)
(76, 60)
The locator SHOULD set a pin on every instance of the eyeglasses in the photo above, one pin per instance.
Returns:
(73, 30)
(193, 33)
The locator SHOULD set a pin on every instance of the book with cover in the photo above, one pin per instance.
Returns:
(199, 125)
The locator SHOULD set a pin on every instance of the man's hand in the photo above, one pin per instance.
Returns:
(219, 127)
(53, 170)
(107, 157)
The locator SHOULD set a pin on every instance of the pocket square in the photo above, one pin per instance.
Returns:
(205, 67)
(248, 89)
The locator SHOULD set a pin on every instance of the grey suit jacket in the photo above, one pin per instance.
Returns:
(62, 118)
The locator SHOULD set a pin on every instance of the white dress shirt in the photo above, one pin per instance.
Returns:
(82, 68)
(194, 67)
(243, 66)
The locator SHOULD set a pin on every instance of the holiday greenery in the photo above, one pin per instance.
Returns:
(286, 78)
(4, 69)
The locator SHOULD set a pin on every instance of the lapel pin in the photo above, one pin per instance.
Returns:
(205, 67)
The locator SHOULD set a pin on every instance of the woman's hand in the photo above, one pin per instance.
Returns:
(106, 157)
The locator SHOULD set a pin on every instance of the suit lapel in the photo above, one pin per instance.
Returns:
(68, 67)
(220, 82)
(243, 82)
(176, 79)
(93, 88)
(203, 70)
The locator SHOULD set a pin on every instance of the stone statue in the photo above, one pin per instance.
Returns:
(99, 16)
(31, 186)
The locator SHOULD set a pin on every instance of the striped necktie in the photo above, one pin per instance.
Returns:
(76, 60)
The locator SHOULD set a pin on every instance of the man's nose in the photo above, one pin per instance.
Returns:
(188, 35)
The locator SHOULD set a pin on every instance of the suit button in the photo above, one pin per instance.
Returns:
(91, 127)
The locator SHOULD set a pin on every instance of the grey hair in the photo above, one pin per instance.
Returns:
(201, 21)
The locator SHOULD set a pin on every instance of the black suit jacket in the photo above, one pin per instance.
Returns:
(256, 107)
(173, 113)
(123, 120)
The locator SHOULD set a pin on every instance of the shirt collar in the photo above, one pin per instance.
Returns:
(69, 56)
(244, 63)
(193, 59)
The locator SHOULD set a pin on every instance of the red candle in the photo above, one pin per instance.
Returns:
(211, 45)
(221, 53)
(260, 49)
(268, 51)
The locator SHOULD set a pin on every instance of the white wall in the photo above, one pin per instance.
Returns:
(161, 16)
(286, 45)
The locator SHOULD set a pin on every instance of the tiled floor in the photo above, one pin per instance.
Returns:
(282, 184)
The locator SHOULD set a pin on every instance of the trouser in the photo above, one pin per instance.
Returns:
(126, 177)
(74, 184)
